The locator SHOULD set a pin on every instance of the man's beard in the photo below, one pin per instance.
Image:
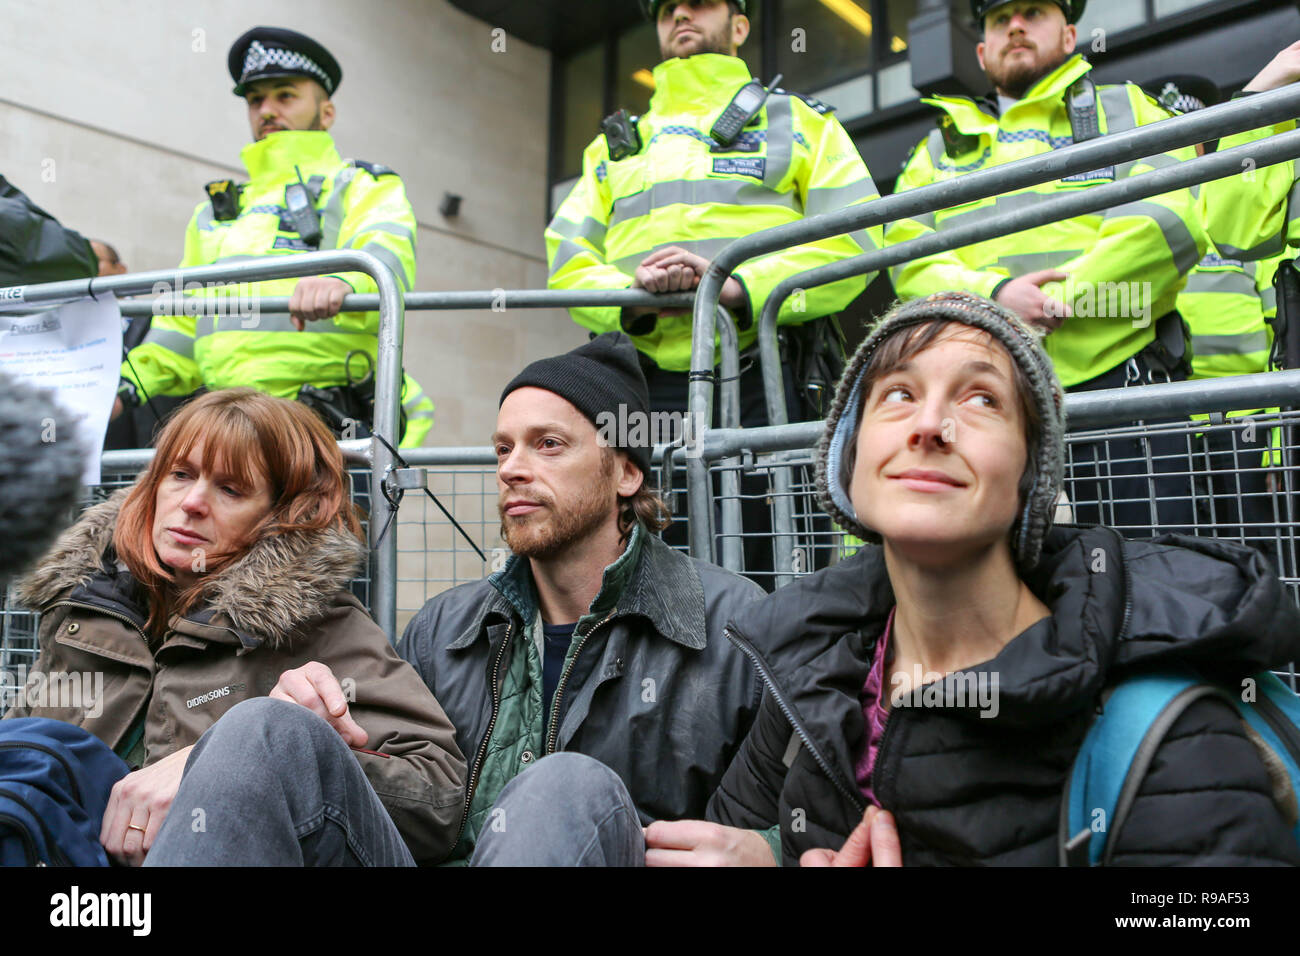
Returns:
(314, 125)
(1018, 78)
(550, 531)
(719, 42)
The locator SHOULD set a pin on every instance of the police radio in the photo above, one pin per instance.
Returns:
(1081, 103)
(744, 106)
(621, 135)
(302, 210)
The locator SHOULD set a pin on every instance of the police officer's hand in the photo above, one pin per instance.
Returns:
(673, 269)
(1281, 70)
(316, 297)
(1025, 296)
(117, 409)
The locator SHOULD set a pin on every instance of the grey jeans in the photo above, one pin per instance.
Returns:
(567, 809)
(272, 784)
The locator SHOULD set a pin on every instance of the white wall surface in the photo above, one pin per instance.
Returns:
(114, 113)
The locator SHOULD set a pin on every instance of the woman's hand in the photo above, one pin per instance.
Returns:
(315, 687)
(873, 842)
(137, 807)
(700, 843)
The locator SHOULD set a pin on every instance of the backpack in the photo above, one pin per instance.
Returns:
(55, 781)
(1122, 741)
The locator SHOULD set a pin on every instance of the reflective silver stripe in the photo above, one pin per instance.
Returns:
(1177, 236)
(392, 228)
(389, 258)
(830, 198)
(1001, 204)
(863, 238)
(1231, 281)
(780, 139)
(1268, 299)
(698, 192)
(173, 341)
(266, 322)
(590, 230)
(205, 221)
(331, 220)
(708, 248)
(1027, 262)
(1269, 247)
(1240, 344)
(426, 414)
(934, 144)
(565, 251)
(1117, 108)
(229, 259)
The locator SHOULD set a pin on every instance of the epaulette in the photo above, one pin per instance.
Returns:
(811, 101)
(374, 169)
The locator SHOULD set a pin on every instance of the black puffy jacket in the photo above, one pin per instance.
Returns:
(972, 790)
(34, 247)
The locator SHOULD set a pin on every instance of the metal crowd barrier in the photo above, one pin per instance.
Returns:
(1112, 149)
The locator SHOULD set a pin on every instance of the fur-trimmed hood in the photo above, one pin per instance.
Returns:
(284, 581)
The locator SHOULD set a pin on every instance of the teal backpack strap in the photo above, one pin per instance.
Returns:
(1113, 761)
(1274, 713)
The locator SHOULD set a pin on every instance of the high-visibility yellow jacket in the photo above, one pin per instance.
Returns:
(1141, 249)
(1227, 304)
(1254, 214)
(682, 189)
(361, 206)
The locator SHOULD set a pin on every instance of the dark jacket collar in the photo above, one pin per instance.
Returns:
(649, 580)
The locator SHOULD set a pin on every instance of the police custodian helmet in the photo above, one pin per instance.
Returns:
(264, 52)
(651, 7)
(1073, 9)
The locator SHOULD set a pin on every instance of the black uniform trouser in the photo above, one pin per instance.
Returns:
(1139, 485)
(668, 393)
(1238, 502)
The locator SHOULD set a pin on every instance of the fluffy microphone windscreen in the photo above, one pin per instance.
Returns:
(40, 474)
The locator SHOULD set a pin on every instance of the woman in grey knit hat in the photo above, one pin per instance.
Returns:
(943, 678)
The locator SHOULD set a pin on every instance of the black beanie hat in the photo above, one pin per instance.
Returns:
(599, 377)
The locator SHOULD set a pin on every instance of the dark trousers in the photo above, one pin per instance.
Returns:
(1142, 486)
(668, 393)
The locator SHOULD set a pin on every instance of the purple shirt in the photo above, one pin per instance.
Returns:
(874, 711)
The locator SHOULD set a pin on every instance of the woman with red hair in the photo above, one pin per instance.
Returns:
(214, 591)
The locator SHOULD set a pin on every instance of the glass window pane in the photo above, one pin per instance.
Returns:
(898, 13)
(638, 52)
(583, 106)
(1112, 16)
(823, 41)
(1167, 8)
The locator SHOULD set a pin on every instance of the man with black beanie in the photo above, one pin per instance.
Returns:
(596, 652)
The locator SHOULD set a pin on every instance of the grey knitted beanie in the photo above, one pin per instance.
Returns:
(1047, 462)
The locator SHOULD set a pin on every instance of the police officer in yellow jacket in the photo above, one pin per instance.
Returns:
(1256, 214)
(301, 196)
(652, 214)
(1103, 287)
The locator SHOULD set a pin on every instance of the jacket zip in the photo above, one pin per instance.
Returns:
(1128, 588)
(67, 769)
(564, 678)
(482, 749)
(748, 650)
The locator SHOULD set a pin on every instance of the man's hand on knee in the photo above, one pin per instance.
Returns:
(700, 843)
(315, 687)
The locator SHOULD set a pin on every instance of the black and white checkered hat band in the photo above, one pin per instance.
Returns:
(259, 59)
